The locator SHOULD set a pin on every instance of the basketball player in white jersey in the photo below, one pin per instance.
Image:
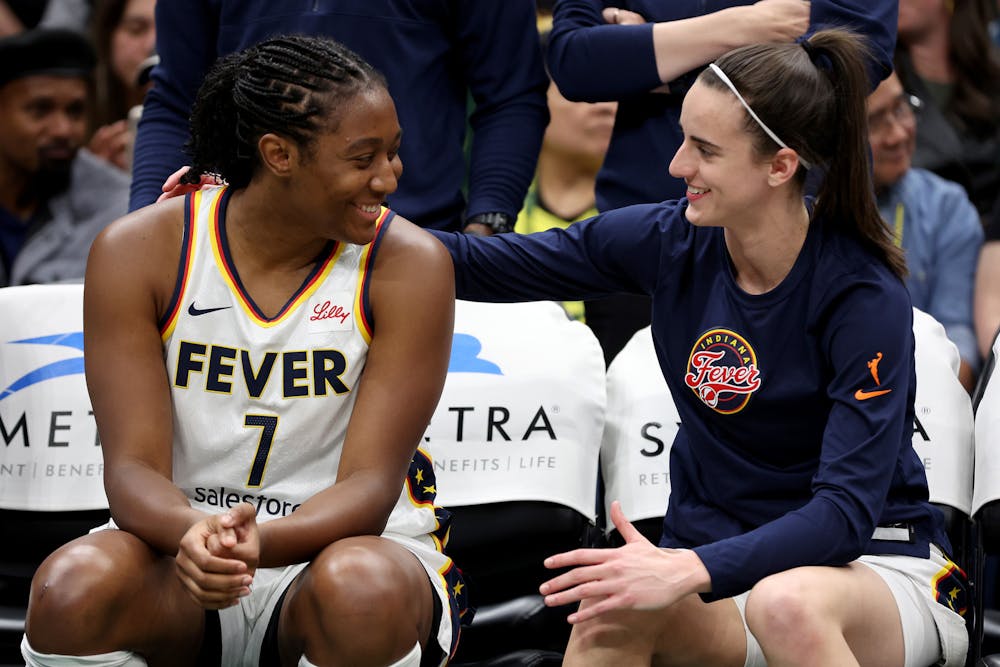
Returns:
(263, 358)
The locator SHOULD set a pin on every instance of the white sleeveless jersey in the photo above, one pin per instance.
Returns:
(261, 405)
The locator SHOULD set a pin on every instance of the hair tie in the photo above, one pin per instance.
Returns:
(809, 49)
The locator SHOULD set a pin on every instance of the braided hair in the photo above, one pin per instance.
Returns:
(292, 86)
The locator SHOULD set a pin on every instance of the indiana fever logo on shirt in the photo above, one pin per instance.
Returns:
(722, 371)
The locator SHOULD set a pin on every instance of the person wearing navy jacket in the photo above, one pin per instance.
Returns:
(436, 56)
(798, 529)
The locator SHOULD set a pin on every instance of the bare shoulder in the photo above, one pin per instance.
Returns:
(146, 227)
(141, 249)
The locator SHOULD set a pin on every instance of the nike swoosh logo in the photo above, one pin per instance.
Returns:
(195, 312)
(865, 395)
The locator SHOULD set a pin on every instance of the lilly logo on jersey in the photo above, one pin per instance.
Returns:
(329, 311)
(722, 371)
(50, 371)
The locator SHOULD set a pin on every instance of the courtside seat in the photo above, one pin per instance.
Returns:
(51, 469)
(944, 439)
(944, 431)
(515, 441)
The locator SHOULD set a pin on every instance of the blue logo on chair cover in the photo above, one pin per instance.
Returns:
(465, 358)
(56, 369)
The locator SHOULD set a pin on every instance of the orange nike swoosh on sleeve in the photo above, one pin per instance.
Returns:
(865, 395)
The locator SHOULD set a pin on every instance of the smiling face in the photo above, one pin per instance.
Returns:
(348, 172)
(725, 176)
(892, 132)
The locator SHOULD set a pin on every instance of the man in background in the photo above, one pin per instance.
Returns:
(931, 218)
(54, 197)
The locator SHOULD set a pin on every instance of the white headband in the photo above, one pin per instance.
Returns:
(725, 79)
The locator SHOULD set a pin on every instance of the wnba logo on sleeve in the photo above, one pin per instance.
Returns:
(722, 371)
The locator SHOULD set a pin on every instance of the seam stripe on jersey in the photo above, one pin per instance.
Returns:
(220, 250)
(362, 304)
(458, 601)
(169, 321)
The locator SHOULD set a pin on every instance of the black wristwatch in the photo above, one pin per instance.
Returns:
(495, 220)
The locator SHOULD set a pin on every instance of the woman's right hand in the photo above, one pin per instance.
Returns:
(778, 20)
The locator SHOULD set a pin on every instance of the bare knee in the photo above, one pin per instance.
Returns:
(72, 580)
(360, 584)
(360, 604)
(626, 632)
(351, 582)
(780, 611)
(83, 590)
(610, 632)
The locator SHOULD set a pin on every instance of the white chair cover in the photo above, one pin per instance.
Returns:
(640, 428)
(522, 410)
(943, 428)
(50, 457)
(987, 485)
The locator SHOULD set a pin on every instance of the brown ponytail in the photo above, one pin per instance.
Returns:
(813, 96)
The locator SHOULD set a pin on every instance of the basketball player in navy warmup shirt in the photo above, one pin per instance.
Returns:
(798, 511)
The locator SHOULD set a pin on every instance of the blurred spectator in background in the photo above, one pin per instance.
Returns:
(994, 25)
(646, 54)
(572, 151)
(987, 293)
(123, 32)
(932, 220)
(944, 56)
(434, 56)
(54, 197)
(18, 15)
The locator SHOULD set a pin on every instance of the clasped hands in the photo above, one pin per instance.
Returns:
(218, 557)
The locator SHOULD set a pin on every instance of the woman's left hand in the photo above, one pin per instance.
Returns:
(173, 187)
(636, 576)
